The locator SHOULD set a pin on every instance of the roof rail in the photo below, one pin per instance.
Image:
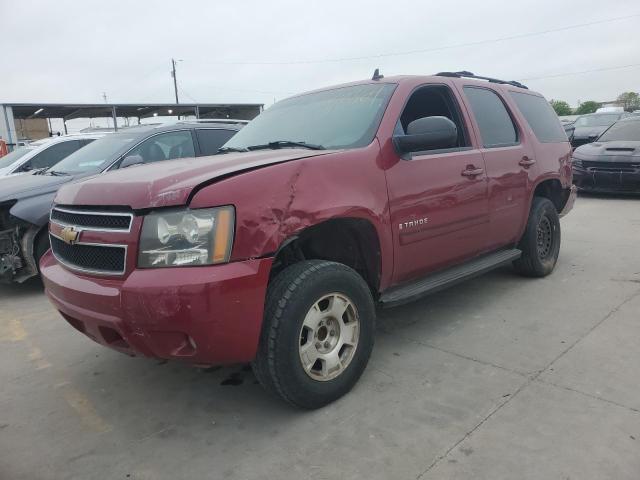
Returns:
(216, 120)
(467, 74)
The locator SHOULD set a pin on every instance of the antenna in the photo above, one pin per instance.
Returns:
(377, 75)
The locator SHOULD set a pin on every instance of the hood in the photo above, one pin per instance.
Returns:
(171, 182)
(585, 132)
(618, 151)
(18, 187)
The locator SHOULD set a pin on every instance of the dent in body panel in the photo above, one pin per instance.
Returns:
(279, 202)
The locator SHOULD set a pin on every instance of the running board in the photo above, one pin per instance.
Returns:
(445, 278)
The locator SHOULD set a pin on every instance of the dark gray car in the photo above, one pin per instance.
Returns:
(612, 162)
(25, 200)
(589, 127)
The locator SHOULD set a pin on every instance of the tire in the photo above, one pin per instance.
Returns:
(302, 322)
(540, 243)
(40, 247)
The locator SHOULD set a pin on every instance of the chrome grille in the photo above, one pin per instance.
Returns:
(92, 220)
(102, 259)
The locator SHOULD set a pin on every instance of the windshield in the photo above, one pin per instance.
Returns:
(13, 156)
(345, 117)
(96, 156)
(628, 130)
(597, 120)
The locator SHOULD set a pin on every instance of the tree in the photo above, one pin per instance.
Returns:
(630, 101)
(561, 107)
(587, 107)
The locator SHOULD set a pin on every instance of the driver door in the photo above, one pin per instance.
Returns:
(438, 198)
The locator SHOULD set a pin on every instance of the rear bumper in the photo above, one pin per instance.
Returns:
(203, 315)
(606, 181)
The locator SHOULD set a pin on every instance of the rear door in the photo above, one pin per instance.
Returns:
(508, 155)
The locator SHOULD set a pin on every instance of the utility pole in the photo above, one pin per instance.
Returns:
(175, 79)
(104, 96)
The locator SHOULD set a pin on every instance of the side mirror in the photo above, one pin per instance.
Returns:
(25, 167)
(131, 160)
(427, 133)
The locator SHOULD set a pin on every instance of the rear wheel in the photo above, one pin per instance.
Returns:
(317, 335)
(540, 243)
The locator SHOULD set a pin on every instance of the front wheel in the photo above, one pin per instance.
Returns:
(317, 335)
(540, 243)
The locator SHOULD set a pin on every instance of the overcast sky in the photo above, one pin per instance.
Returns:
(231, 51)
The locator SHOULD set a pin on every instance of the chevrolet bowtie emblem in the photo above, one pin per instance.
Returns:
(69, 235)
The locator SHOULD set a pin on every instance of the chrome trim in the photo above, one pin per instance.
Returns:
(87, 270)
(89, 212)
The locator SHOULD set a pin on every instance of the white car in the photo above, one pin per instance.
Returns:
(44, 153)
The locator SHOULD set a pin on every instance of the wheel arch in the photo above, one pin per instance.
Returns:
(551, 188)
(352, 241)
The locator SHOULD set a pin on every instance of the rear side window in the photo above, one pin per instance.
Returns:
(211, 140)
(541, 118)
(496, 127)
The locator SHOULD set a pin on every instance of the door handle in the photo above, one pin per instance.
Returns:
(471, 171)
(526, 162)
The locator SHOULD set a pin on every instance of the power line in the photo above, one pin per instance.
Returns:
(431, 49)
(581, 72)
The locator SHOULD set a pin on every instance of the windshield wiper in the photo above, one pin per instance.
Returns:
(286, 143)
(57, 174)
(39, 171)
(231, 149)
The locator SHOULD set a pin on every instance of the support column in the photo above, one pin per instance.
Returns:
(115, 118)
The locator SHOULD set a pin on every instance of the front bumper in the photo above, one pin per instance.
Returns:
(592, 180)
(203, 315)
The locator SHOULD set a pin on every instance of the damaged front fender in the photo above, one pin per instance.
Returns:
(17, 241)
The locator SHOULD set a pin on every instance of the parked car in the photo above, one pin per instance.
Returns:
(589, 127)
(43, 153)
(328, 203)
(25, 200)
(612, 162)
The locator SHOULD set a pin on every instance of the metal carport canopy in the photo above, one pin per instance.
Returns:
(242, 111)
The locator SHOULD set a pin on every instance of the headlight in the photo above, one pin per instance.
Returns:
(186, 237)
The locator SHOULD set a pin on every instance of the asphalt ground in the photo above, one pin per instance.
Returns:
(501, 377)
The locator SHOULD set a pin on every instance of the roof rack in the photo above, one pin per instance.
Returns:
(216, 120)
(467, 74)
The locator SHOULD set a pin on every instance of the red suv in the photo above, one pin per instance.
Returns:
(326, 206)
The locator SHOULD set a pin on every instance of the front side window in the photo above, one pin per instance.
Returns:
(52, 155)
(211, 139)
(495, 123)
(541, 117)
(165, 146)
(345, 117)
(627, 130)
(432, 101)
